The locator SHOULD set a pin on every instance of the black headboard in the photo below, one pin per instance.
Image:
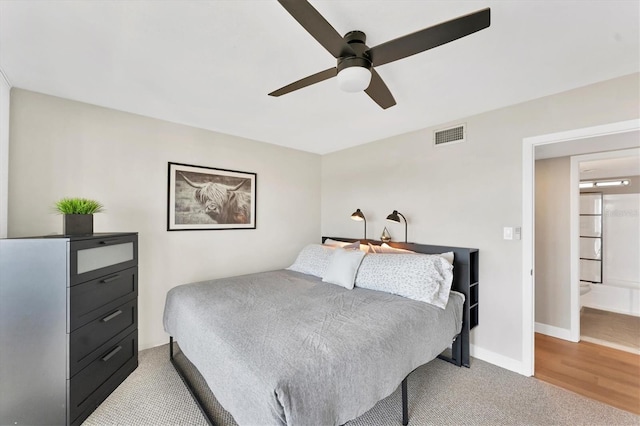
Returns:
(465, 281)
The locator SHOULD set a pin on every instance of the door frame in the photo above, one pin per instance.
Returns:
(529, 145)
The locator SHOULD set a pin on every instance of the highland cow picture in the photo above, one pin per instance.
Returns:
(205, 198)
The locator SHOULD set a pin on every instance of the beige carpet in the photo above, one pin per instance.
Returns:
(439, 394)
(610, 329)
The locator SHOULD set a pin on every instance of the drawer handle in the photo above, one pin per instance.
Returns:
(108, 280)
(112, 316)
(108, 356)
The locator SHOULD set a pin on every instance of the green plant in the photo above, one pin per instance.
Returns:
(78, 206)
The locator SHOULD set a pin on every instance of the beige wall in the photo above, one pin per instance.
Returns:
(553, 242)
(65, 148)
(464, 194)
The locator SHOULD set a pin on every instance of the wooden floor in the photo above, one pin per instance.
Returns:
(598, 372)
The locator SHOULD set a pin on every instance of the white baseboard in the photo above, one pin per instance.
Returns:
(497, 359)
(557, 332)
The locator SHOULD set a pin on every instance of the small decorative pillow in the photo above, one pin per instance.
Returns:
(343, 267)
(386, 248)
(365, 248)
(426, 278)
(345, 245)
(313, 260)
(351, 246)
(336, 243)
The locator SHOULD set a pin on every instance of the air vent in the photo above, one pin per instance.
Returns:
(451, 135)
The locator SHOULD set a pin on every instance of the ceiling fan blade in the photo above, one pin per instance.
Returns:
(429, 38)
(307, 81)
(317, 26)
(379, 92)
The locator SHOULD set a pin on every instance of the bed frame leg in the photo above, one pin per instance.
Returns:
(405, 403)
(457, 349)
(187, 384)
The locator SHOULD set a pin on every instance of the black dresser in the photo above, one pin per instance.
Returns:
(68, 325)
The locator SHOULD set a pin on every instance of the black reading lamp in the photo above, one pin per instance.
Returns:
(358, 215)
(395, 217)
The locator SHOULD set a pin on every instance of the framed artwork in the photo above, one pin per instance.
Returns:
(205, 198)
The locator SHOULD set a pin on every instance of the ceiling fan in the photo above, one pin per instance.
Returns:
(356, 61)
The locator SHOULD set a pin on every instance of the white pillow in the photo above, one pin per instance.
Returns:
(313, 260)
(422, 277)
(343, 267)
(448, 256)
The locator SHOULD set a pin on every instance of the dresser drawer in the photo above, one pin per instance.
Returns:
(88, 297)
(97, 257)
(90, 386)
(92, 337)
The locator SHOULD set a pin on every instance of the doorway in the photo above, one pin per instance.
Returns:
(557, 355)
(574, 264)
(621, 135)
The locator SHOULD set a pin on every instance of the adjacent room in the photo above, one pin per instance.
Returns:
(292, 212)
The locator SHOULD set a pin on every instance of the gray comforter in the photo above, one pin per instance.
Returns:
(284, 348)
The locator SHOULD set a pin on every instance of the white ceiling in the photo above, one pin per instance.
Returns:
(210, 64)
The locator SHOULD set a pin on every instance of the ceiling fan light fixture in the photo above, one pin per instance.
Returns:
(354, 79)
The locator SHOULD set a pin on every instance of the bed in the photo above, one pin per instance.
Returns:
(285, 348)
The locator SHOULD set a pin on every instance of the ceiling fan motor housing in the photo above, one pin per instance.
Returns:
(354, 71)
(356, 42)
(353, 61)
(355, 36)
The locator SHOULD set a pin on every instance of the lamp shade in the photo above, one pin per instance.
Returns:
(357, 215)
(354, 79)
(393, 217)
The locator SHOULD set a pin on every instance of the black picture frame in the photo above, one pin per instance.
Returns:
(203, 198)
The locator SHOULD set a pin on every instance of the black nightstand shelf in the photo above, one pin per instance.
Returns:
(473, 288)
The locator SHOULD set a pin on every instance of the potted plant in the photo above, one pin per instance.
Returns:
(78, 215)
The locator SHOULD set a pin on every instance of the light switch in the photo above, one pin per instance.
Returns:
(508, 233)
(518, 233)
